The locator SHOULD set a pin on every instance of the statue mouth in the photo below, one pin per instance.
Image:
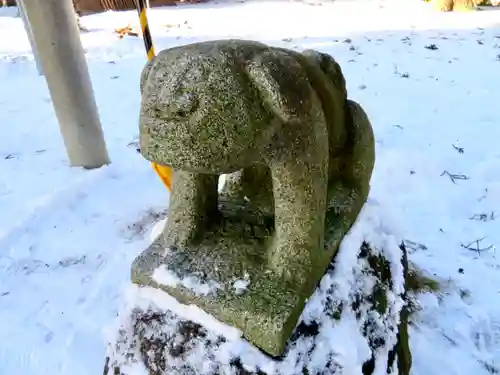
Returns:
(150, 149)
(157, 150)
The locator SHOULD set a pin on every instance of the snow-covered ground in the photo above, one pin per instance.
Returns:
(430, 83)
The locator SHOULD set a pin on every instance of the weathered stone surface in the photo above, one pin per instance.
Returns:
(280, 121)
(354, 322)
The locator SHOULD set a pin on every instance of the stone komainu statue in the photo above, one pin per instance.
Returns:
(295, 147)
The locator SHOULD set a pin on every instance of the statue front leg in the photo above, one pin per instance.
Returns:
(193, 207)
(300, 191)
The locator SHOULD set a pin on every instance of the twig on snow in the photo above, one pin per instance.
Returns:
(484, 195)
(454, 177)
(459, 149)
(414, 246)
(484, 216)
(477, 249)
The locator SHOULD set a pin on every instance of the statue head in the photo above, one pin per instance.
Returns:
(199, 112)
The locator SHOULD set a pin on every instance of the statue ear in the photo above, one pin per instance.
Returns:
(330, 67)
(282, 84)
(145, 74)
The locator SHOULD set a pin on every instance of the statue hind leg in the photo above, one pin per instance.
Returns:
(253, 185)
(348, 192)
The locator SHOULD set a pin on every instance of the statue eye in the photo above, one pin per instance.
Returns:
(185, 104)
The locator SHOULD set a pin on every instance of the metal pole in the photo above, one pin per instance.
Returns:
(164, 172)
(29, 32)
(57, 40)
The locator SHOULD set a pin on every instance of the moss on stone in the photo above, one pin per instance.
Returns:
(417, 281)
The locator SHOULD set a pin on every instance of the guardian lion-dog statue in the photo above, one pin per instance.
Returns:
(298, 156)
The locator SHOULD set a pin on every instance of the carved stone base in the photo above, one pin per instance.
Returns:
(227, 276)
(354, 322)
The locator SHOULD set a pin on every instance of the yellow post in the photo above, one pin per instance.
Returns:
(164, 172)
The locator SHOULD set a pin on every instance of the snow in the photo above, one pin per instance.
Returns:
(142, 297)
(241, 285)
(163, 276)
(339, 343)
(429, 82)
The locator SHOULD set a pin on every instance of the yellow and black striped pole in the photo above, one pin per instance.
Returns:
(164, 172)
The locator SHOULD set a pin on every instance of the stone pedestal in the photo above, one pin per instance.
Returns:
(355, 321)
(227, 275)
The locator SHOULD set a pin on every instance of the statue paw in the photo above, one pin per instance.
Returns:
(290, 262)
